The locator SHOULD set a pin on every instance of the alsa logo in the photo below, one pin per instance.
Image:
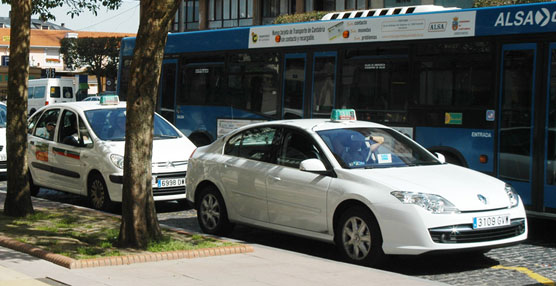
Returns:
(522, 18)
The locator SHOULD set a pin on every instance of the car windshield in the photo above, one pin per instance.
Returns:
(3, 116)
(109, 124)
(374, 148)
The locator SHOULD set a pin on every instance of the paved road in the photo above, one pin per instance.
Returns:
(530, 263)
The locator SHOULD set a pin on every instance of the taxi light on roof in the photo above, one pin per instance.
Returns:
(343, 114)
(109, 100)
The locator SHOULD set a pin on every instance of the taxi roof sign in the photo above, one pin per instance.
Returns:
(343, 114)
(109, 99)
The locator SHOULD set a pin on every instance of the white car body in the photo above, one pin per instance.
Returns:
(309, 204)
(3, 124)
(68, 168)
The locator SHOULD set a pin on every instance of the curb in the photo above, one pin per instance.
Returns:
(71, 263)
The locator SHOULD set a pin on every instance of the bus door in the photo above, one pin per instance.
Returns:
(167, 90)
(515, 133)
(294, 86)
(550, 134)
(323, 94)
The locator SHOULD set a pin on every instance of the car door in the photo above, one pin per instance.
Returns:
(68, 150)
(42, 160)
(297, 198)
(245, 165)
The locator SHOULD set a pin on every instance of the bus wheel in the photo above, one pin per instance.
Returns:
(451, 159)
(199, 139)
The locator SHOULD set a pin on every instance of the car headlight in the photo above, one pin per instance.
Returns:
(117, 160)
(432, 203)
(512, 195)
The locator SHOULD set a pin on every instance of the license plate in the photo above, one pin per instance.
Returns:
(491, 221)
(170, 182)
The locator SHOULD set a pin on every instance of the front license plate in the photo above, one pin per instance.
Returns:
(491, 221)
(171, 182)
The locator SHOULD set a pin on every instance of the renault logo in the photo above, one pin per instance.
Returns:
(482, 199)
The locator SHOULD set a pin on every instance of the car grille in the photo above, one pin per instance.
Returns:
(3, 164)
(168, 191)
(466, 234)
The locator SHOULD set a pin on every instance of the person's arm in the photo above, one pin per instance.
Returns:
(378, 141)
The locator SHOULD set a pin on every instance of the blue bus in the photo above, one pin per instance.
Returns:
(476, 85)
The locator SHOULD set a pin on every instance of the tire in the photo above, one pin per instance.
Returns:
(358, 237)
(34, 189)
(98, 193)
(211, 212)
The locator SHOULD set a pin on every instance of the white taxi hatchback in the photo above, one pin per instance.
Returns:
(78, 147)
(363, 186)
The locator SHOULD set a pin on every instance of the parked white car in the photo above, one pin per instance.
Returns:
(78, 147)
(3, 124)
(363, 186)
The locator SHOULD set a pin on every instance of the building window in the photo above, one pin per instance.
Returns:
(189, 14)
(324, 5)
(275, 8)
(230, 13)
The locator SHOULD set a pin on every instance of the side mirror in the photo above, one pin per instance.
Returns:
(312, 165)
(440, 157)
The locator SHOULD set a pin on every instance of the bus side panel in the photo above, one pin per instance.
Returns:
(471, 143)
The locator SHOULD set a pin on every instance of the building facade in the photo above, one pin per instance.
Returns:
(195, 15)
(45, 59)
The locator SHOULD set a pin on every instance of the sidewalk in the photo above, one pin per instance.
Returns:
(264, 266)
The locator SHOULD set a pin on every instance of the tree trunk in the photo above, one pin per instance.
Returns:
(139, 221)
(18, 198)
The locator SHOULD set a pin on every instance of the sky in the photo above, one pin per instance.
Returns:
(123, 20)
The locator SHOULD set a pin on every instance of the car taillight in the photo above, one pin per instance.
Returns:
(46, 102)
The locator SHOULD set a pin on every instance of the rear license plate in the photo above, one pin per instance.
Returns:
(491, 221)
(170, 182)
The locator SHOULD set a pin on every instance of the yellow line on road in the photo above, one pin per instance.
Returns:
(539, 278)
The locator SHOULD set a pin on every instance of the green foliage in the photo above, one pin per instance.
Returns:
(490, 3)
(74, 7)
(296, 18)
(99, 55)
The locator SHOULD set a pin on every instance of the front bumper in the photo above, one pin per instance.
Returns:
(115, 182)
(411, 230)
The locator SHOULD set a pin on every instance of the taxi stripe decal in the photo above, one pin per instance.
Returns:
(539, 278)
(66, 153)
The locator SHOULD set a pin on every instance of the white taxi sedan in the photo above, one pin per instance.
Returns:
(363, 186)
(78, 147)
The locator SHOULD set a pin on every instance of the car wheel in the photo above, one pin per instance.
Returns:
(358, 237)
(211, 212)
(98, 193)
(34, 189)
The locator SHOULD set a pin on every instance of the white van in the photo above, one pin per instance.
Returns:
(46, 91)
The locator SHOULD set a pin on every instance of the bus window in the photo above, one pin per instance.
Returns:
(253, 81)
(376, 84)
(323, 86)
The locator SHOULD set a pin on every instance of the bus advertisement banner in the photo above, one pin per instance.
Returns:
(517, 19)
(411, 27)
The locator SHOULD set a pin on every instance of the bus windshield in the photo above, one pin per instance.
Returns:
(109, 124)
